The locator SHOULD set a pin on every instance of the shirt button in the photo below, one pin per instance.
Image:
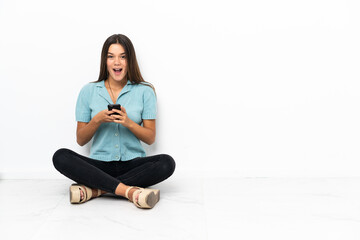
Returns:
(116, 156)
(116, 146)
(116, 134)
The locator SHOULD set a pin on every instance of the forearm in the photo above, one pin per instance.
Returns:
(85, 133)
(146, 135)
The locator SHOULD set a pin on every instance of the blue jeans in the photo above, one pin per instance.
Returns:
(141, 172)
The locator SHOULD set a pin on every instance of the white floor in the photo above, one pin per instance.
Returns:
(190, 208)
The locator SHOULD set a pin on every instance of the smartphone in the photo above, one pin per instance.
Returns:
(116, 106)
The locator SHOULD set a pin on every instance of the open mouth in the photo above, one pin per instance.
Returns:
(117, 70)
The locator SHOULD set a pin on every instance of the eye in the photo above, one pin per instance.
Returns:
(109, 56)
(123, 57)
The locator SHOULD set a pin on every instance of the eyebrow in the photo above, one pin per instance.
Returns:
(113, 54)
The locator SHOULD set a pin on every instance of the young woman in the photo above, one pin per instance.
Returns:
(117, 163)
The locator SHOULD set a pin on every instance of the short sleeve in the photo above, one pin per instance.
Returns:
(150, 108)
(83, 112)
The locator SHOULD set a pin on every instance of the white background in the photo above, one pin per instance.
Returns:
(248, 88)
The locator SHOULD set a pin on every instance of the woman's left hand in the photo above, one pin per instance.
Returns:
(122, 118)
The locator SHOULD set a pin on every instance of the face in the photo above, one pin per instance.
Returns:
(116, 63)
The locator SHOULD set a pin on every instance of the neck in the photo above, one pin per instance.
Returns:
(116, 85)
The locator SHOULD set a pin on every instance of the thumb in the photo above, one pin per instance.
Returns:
(123, 109)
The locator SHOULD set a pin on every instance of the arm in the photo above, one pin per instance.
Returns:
(145, 133)
(86, 130)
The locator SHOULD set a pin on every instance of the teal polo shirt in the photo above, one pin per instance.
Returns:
(112, 141)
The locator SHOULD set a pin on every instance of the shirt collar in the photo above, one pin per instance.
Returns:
(102, 83)
(104, 93)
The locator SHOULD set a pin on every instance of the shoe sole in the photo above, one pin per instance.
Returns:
(157, 194)
(151, 200)
(74, 194)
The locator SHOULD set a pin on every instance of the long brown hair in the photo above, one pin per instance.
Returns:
(133, 72)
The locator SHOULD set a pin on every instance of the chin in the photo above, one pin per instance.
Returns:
(118, 78)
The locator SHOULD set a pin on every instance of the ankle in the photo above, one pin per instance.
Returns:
(121, 189)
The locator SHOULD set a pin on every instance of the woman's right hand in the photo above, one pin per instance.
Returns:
(86, 130)
(104, 116)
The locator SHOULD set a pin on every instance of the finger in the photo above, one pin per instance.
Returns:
(120, 117)
(110, 119)
(117, 111)
(108, 112)
(123, 109)
(118, 121)
(112, 115)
